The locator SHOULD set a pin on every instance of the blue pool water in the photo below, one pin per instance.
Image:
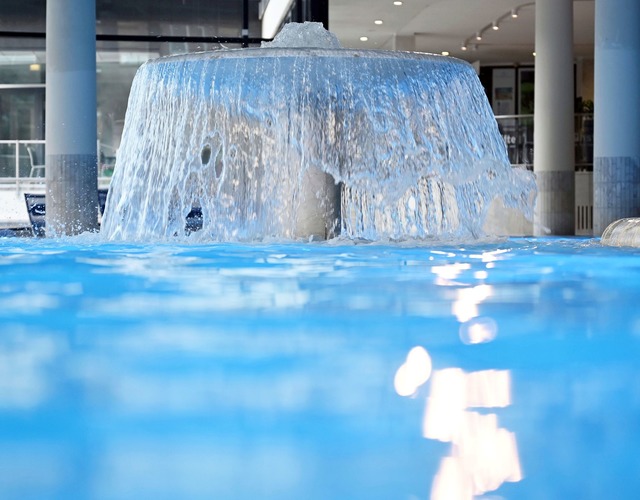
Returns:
(506, 369)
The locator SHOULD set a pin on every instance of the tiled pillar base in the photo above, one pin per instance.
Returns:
(72, 194)
(554, 212)
(616, 190)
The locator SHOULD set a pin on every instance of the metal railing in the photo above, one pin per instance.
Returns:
(584, 141)
(517, 132)
(13, 164)
(16, 164)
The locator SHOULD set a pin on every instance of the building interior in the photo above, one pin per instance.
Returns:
(498, 37)
(167, 330)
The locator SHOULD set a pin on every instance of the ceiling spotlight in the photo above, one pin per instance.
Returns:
(464, 47)
(478, 36)
(495, 26)
(377, 21)
(397, 3)
(445, 53)
(514, 13)
(364, 38)
(534, 54)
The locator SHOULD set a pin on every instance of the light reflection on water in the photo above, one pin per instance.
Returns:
(478, 330)
(483, 455)
(503, 369)
(414, 372)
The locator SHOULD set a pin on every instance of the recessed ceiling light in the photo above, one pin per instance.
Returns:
(377, 21)
(445, 53)
(364, 38)
(478, 36)
(464, 47)
(495, 26)
(397, 3)
(534, 54)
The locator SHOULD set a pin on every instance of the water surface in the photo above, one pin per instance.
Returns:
(505, 369)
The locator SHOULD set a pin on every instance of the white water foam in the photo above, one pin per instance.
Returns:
(307, 34)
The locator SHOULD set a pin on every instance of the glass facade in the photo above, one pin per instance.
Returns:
(144, 17)
(128, 34)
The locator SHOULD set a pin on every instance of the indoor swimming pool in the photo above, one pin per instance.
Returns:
(497, 369)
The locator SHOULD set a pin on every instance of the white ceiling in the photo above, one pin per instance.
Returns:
(444, 25)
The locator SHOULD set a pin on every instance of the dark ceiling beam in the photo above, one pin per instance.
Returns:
(145, 38)
(319, 12)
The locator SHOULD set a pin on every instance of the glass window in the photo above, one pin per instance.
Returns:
(22, 58)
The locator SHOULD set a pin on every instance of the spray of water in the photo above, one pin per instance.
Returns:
(408, 142)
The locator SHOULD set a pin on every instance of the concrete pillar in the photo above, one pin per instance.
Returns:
(616, 169)
(70, 124)
(318, 217)
(553, 118)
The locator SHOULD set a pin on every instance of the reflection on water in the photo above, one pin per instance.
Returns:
(23, 360)
(335, 370)
(414, 372)
(478, 330)
(465, 306)
(483, 455)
